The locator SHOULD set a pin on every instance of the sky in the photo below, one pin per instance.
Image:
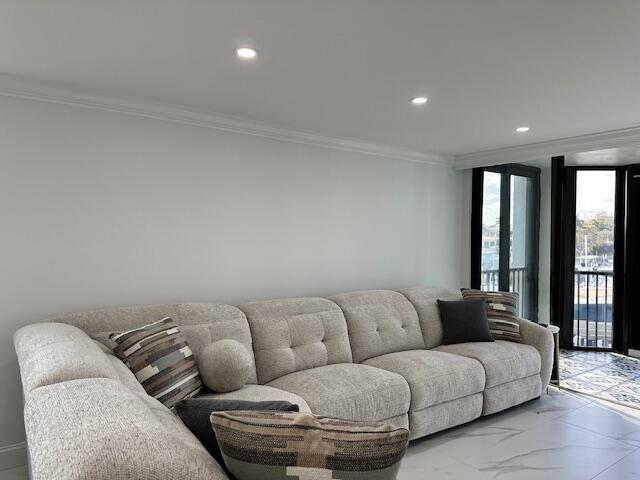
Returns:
(595, 192)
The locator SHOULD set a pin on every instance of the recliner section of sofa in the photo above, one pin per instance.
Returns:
(514, 367)
(515, 372)
(302, 346)
(441, 385)
(385, 330)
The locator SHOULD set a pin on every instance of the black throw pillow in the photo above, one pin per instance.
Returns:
(195, 413)
(464, 321)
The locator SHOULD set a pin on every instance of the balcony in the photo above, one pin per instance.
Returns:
(592, 306)
(593, 309)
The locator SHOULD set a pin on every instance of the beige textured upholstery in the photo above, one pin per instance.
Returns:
(503, 361)
(260, 393)
(444, 415)
(507, 395)
(225, 365)
(123, 435)
(424, 299)
(433, 377)
(53, 352)
(87, 417)
(126, 376)
(349, 391)
(542, 340)
(379, 321)
(296, 334)
(200, 323)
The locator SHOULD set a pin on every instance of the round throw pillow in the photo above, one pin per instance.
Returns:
(225, 365)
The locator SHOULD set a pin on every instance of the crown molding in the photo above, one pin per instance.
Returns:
(43, 92)
(565, 146)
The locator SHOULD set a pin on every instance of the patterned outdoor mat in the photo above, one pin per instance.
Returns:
(605, 375)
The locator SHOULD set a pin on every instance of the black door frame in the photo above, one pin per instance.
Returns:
(563, 253)
(505, 209)
(631, 316)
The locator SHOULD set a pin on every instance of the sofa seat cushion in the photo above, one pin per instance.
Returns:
(349, 391)
(260, 393)
(433, 377)
(502, 361)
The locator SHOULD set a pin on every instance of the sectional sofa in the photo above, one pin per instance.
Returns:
(369, 355)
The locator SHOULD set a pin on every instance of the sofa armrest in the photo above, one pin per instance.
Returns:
(542, 340)
(50, 353)
(93, 429)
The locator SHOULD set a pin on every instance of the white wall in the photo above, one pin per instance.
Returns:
(103, 209)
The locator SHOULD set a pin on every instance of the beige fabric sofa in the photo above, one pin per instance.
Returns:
(370, 355)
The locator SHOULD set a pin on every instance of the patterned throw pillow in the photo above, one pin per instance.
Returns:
(502, 313)
(284, 445)
(160, 358)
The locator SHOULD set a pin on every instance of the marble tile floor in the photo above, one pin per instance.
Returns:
(560, 436)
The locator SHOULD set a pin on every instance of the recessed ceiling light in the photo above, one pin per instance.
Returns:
(522, 129)
(419, 100)
(246, 53)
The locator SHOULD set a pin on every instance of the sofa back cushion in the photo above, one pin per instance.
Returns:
(425, 301)
(200, 323)
(379, 322)
(296, 334)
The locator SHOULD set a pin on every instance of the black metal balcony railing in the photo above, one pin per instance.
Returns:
(517, 283)
(593, 309)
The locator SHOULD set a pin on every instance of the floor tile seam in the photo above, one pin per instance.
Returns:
(584, 429)
(615, 463)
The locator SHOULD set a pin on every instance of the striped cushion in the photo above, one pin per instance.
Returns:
(502, 308)
(287, 445)
(160, 358)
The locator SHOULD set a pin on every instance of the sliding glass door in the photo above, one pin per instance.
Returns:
(505, 226)
(594, 254)
(592, 237)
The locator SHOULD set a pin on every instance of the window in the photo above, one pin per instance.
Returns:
(505, 229)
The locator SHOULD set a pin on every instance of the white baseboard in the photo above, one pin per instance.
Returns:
(12, 456)
(634, 353)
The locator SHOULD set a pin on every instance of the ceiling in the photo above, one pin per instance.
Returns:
(605, 157)
(347, 68)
